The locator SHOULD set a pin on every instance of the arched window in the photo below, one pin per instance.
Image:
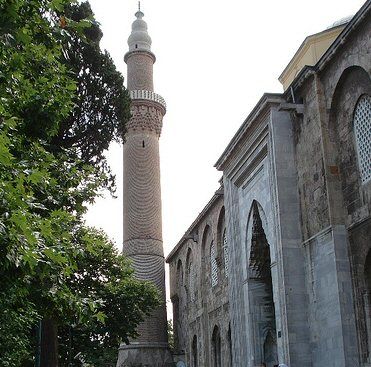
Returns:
(216, 348)
(226, 253)
(362, 133)
(214, 265)
(230, 346)
(194, 352)
(179, 275)
(191, 279)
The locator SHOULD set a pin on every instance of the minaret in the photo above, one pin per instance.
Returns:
(142, 197)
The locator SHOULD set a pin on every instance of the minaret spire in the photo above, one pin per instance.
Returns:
(142, 219)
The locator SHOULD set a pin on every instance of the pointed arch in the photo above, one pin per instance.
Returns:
(223, 248)
(260, 287)
(194, 352)
(349, 186)
(230, 351)
(216, 347)
(206, 239)
(191, 276)
(220, 229)
(179, 274)
(350, 111)
(259, 258)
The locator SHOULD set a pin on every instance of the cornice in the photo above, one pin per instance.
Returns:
(265, 101)
(187, 235)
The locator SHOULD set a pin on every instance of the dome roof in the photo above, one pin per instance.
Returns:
(139, 38)
(340, 22)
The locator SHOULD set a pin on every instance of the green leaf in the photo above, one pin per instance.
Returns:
(57, 5)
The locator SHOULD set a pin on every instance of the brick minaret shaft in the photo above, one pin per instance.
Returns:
(142, 189)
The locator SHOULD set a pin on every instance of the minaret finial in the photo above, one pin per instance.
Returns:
(139, 14)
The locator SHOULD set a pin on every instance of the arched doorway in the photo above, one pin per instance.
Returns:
(260, 291)
(230, 346)
(216, 348)
(270, 349)
(194, 357)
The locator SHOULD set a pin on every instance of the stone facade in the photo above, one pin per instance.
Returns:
(199, 289)
(296, 199)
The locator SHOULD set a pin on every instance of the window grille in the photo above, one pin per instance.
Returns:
(226, 254)
(214, 265)
(362, 132)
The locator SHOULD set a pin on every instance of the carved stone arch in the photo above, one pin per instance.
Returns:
(179, 303)
(349, 190)
(341, 73)
(191, 279)
(194, 352)
(230, 347)
(223, 245)
(216, 347)
(205, 242)
(189, 256)
(179, 274)
(270, 347)
(258, 247)
(260, 288)
(220, 231)
(352, 84)
(255, 205)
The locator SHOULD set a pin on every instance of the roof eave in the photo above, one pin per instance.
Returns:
(265, 100)
(200, 216)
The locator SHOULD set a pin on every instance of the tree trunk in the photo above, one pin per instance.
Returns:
(49, 343)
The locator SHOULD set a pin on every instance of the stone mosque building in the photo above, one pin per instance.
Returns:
(277, 266)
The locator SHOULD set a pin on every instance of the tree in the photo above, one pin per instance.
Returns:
(101, 103)
(44, 186)
(123, 301)
(34, 95)
(170, 333)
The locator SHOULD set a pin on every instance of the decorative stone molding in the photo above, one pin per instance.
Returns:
(145, 117)
(148, 96)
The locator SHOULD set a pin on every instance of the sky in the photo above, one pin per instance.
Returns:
(214, 61)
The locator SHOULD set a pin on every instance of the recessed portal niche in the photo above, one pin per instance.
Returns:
(261, 293)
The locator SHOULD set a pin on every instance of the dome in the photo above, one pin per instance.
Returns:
(139, 38)
(340, 22)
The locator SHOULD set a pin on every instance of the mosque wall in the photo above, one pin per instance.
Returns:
(199, 288)
(296, 196)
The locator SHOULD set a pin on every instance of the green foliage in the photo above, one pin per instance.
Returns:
(50, 266)
(170, 333)
(34, 85)
(101, 104)
(17, 318)
(122, 301)
(33, 101)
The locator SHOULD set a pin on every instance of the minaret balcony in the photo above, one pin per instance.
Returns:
(148, 96)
